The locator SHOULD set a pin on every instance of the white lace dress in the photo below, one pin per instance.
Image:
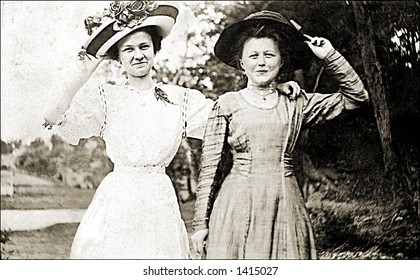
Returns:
(134, 213)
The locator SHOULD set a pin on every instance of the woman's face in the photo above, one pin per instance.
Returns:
(261, 61)
(136, 53)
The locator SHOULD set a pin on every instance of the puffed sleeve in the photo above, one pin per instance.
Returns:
(199, 108)
(352, 94)
(85, 116)
(214, 152)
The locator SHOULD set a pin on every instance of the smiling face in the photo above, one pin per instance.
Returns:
(261, 61)
(136, 54)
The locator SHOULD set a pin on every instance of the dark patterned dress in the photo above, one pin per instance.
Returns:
(254, 209)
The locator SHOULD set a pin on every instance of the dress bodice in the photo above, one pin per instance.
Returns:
(138, 128)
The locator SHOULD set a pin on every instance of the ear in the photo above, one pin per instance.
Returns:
(281, 63)
(241, 64)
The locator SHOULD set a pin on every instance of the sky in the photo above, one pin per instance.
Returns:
(38, 39)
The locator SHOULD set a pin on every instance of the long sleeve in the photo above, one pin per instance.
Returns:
(215, 148)
(352, 94)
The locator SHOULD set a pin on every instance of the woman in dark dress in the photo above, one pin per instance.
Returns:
(257, 210)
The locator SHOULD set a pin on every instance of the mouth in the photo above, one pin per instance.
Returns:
(138, 63)
(262, 72)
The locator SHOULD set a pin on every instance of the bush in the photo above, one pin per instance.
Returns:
(4, 238)
(360, 226)
(336, 229)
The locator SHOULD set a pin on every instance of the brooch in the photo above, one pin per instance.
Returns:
(161, 95)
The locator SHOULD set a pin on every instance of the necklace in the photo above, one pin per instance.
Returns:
(263, 92)
(258, 103)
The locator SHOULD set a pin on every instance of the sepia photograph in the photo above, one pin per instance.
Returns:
(226, 139)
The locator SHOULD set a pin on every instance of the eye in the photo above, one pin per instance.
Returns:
(253, 56)
(127, 49)
(144, 47)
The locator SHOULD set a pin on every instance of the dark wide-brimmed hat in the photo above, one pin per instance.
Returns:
(291, 39)
(122, 18)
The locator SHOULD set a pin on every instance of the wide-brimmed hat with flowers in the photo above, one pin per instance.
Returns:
(292, 40)
(123, 17)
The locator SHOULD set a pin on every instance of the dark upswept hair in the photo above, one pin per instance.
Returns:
(259, 31)
(151, 30)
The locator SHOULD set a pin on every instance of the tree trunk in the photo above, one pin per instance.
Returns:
(376, 86)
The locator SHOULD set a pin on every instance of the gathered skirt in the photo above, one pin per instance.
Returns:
(132, 216)
(254, 217)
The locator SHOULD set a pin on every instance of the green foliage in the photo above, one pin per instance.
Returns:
(88, 157)
(37, 159)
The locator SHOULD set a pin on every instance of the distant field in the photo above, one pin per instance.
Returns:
(47, 197)
(25, 179)
(36, 193)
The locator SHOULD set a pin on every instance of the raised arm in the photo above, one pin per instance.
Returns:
(79, 73)
(352, 94)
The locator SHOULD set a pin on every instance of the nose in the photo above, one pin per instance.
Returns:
(138, 54)
(261, 61)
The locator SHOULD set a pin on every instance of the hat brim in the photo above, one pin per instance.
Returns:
(98, 44)
(299, 54)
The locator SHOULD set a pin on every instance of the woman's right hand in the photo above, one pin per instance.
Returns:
(198, 240)
(291, 89)
(321, 47)
(88, 63)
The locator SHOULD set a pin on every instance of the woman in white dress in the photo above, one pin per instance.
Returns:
(134, 213)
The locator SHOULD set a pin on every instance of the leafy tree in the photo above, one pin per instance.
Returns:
(37, 159)
(6, 148)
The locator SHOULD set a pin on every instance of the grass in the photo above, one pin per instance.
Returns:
(364, 230)
(55, 242)
(35, 193)
(50, 243)
(349, 230)
(47, 197)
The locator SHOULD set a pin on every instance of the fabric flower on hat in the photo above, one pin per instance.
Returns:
(120, 18)
(125, 14)
(116, 8)
(133, 13)
(136, 7)
(92, 22)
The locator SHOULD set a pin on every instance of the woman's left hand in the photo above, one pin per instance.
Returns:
(321, 47)
(291, 89)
